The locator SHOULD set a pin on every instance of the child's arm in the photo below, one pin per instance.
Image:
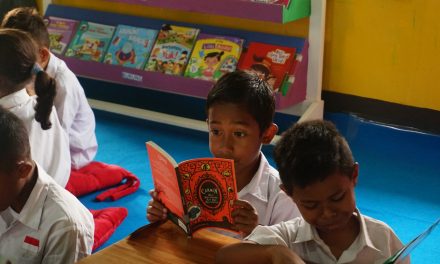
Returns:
(245, 217)
(246, 252)
(156, 211)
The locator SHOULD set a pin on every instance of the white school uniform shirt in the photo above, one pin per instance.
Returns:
(74, 113)
(375, 243)
(264, 194)
(49, 147)
(52, 227)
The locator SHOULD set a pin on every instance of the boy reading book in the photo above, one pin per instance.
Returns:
(240, 109)
(318, 172)
(198, 192)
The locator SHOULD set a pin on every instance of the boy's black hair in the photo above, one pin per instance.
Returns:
(247, 90)
(311, 151)
(14, 140)
(29, 20)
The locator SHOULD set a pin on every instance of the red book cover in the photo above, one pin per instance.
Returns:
(271, 63)
(198, 192)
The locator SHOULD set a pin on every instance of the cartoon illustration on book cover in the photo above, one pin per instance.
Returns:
(271, 63)
(60, 32)
(90, 41)
(130, 46)
(213, 56)
(172, 48)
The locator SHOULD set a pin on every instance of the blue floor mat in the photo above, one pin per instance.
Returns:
(399, 179)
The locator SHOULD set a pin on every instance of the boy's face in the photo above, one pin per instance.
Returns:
(328, 205)
(234, 134)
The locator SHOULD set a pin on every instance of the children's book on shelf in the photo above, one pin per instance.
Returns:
(130, 46)
(278, 2)
(60, 31)
(198, 192)
(90, 41)
(271, 63)
(213, 56)
(402, 255)
(172, 49)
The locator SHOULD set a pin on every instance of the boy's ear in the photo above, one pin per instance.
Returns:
(44, 56)
(355, 173)
(269, 133)
(24, 168)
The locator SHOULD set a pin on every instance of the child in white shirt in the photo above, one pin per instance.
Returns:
(318, 171)
(74, 112)
(40, 222)
(240, 110)
(18, 68)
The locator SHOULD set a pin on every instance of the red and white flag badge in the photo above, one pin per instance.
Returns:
(31, 243)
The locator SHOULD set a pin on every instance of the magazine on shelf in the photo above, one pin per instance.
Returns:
(198, 193)
(90, 41)
(130, 46)
(271, 63)
(172, 49)
(213, 56)
(60, 32)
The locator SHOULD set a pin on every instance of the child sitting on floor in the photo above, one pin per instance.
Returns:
(74, 112)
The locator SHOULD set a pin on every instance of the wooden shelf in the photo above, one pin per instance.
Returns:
(171, 83)
(277, 13)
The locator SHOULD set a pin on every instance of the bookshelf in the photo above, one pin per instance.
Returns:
(303, 99)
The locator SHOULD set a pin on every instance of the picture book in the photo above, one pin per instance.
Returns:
(130, 46)
(172, 49)
(271, 63)
(213, 56)
(278, 2)
(90, 41)
(198, 192)
(403, 253)
(60, 31)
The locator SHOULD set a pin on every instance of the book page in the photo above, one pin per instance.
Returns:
(209, 190)
(164, 178)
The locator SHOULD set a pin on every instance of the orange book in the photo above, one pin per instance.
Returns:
(198, 192)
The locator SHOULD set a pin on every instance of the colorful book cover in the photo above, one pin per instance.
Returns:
(198, 192)
(172, 49)
(213, 56)
(60, 31)
(90, 41)
(130, 46)
(271, 63)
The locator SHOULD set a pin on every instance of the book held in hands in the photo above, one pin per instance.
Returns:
(198, 192)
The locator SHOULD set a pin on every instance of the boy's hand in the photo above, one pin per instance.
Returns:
(155, 209)
(245, 217)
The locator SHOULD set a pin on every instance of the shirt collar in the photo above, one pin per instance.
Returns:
(32, 211)
(308, 233)
(16, 98)
(258, 183)
(51, 67)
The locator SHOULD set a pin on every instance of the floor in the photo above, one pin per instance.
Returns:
(399, 171)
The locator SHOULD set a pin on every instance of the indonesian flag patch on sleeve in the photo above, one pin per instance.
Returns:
(31, 243)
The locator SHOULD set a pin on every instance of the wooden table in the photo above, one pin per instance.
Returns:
(162, 243)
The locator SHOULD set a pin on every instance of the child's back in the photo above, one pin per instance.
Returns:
(40, 221)
(72, 108)
(50, 145)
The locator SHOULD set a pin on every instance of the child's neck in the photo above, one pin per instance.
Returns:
(340, 240)
(26, 191)
(245, 175)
